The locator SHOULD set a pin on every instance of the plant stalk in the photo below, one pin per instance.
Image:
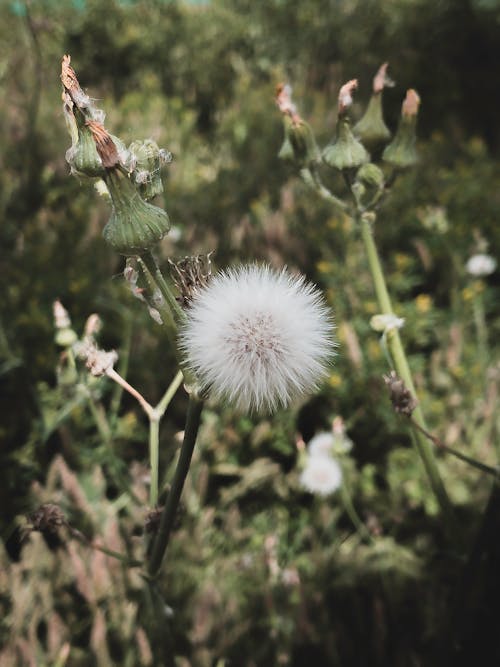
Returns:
(401, 365)
(167, 519)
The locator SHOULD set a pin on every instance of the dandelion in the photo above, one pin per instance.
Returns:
(321, 476)
(258, 338)
(481, 265)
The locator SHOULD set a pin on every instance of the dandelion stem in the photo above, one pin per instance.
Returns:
(352, 513)
(401, 364)
(160, 544)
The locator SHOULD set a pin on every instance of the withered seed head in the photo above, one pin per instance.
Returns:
(402, 399)
(190, 275)
(47, 518)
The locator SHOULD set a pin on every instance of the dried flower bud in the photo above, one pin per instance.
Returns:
(345, 95)
(402, 399)
(147, 160)
(190, 275)
(48, 518)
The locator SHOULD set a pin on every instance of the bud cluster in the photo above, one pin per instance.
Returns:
(132, 175)
(349, 150)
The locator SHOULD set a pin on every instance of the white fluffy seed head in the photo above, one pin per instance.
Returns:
(258, 338)
(321, 476)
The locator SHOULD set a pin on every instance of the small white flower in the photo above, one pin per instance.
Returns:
(321, 444)
(386, 322)
(481, 265)
(322, 475)
(258, 338)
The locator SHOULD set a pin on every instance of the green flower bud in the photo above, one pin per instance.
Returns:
(146, 160)
(65, 337)
(300, 144)
(371, 129)
(401, 152)
(370, 175)
(134, 225)
(82, 156)
(345, 151)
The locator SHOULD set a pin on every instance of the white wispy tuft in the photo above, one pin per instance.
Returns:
(481, 265)
(321, 476)
(258, 338)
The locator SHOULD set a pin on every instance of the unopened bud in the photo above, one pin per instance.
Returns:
(371, 129)
(345, 151)
(300, 144)
(401, 152)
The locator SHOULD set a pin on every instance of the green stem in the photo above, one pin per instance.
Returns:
(402, 368)
(481, 331)
(154, 440)
(169, 394)
(352, 514)
(474, 463)
(312, 179)
(176, 313)
(193, 418)
(154, 435)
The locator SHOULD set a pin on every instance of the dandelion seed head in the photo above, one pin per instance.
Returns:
(321, 476)
(258, 338)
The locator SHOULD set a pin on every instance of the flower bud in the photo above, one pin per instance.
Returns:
(371, 129)
(134, 225)
(345, 151)
(299, 144)
(146, 161)
(370, 175)
(401, 152)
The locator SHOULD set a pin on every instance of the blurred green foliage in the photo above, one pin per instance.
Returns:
(259, 572)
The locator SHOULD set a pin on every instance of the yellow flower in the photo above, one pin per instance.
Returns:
(423, 302)
(335, 380)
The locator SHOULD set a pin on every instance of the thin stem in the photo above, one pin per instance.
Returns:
(176, 312)
(169, 394)
(311, 178)
(154, 447)
(353, 515)
(495, 472)
(154, 436)
(193, 418)
(402, 367)
(148, 409)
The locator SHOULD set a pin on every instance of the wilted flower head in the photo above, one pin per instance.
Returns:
(481, 265)
(322, 475)
(258, 338)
